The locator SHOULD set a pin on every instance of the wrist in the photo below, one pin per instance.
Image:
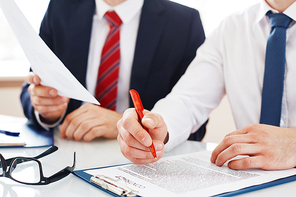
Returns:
(48, 120)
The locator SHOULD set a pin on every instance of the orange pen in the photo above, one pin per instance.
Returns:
(139, 109)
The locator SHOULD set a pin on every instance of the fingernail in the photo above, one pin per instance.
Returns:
(212, 160)
(159, 147)
(35, 80)
(151, 122)
(52, 92)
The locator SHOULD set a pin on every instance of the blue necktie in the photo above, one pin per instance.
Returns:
(273, 83)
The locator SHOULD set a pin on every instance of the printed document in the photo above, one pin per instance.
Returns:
(187, 175)
(43, 61)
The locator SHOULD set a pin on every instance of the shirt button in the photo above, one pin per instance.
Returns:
(282, 123)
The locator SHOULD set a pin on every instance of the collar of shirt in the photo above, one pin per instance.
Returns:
(264, 8)
(126, 10)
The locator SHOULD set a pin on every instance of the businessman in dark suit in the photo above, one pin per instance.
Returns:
(166, 40)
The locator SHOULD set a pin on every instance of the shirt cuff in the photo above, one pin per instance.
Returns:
(48, 126)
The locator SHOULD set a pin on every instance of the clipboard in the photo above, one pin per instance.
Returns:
(273, 179)
(103, 183)
(31, 134)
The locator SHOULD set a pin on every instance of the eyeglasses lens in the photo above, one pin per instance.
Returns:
(25, 170)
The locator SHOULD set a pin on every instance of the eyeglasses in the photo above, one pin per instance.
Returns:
(28, 170)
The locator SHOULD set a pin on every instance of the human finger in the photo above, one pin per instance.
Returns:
(140, 156)
(37, 100)
(43, 91)
(46, 110)
(76, 126)
(129, 122)
(235, 150)
(71, 122)
(130, 140)
(247, 163)
(230, 139)
(32, 78)
(88, 130)
(156, 126)
(95, 130)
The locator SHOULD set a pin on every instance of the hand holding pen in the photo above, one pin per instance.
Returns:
(135, 142)
(139, 109)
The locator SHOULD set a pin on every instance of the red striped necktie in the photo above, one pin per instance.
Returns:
(106, 88)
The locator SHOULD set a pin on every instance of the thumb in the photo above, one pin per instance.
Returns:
(32, 78)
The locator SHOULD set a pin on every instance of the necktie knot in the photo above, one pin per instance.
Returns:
(279, 20)
(113, 19)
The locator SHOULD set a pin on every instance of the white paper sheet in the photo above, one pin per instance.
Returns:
(43, 61)
(188, 175)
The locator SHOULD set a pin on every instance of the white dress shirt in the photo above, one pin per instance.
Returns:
(129, 12)
(231, 61)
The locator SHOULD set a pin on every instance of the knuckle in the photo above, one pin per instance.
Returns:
(236, 148)
(125, 122)
(227, 140)
(75, 122)
(77, 136)
(66, 121)
(84, 126)
(252, 127)
(127, 139)
(94, 131)
(247, 162)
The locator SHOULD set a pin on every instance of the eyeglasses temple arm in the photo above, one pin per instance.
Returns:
(47, 152)
(63, 173)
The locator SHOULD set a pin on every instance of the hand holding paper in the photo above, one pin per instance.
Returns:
(46, 100)
(43, 61)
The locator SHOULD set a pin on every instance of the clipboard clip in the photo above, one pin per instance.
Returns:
(113, 185)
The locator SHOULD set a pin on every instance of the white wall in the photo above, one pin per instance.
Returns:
(9, 101)
(220, 123)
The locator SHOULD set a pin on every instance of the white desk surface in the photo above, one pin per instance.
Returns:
(98, 153)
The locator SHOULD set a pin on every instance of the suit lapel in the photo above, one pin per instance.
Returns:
(80, 23)
(150, 30)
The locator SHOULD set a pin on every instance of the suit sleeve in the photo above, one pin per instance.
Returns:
(195, 39)
(25, 96)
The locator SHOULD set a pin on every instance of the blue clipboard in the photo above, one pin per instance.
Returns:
(33, 135)
(86, 177)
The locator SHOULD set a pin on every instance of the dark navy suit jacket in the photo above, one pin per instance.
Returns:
(168, 37)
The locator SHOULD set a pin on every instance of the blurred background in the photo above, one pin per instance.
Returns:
(14, 66)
